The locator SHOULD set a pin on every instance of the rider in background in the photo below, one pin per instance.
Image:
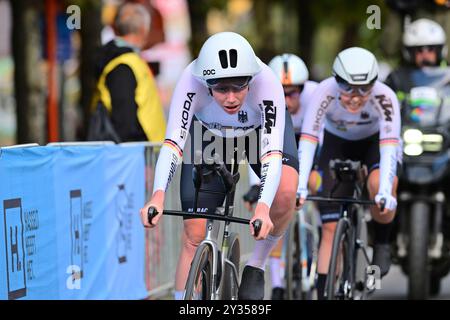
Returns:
(362, 123)
(228, 94)
(293, 74)
(423, 46)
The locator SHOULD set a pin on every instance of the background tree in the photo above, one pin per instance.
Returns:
(198, 12)
(28, 85)
(91, 27)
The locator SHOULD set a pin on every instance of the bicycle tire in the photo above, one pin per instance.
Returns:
(362, 262)
(293, 267)
(200, 273)
(341, 243)
(229, 288)
(418, 264)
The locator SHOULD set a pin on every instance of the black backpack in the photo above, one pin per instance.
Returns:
(101, 127)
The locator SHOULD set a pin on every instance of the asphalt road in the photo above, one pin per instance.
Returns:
(395, 287)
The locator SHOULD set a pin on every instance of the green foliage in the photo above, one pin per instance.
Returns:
(339, 19)
(84, 4)
(343, 13)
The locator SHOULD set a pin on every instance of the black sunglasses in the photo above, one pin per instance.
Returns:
(236, 84)
(425, 48)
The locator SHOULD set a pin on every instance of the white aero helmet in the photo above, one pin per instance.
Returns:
(225, 55)
(355, 66)
(424, 32)
(290, 69)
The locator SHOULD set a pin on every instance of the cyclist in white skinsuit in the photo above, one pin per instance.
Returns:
(228, 93)
(298, 90)
(362, 122)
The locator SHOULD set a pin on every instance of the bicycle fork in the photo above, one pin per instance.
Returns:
(212, 233)
(226, 262)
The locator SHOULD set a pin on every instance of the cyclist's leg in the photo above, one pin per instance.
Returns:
(281, 213)
(314, 182)
(276, 271)
(314, 187)
(315, 177)
(282, 209)
(283, 205)
(193, 234)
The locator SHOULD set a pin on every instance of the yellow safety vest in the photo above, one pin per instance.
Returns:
(150, 111)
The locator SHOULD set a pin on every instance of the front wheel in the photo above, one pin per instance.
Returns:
(293, 271)
(418, 272)
(230, 278)
(199, 281)
(339, 285)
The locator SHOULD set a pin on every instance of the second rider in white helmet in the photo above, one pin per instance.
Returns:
(362, 123)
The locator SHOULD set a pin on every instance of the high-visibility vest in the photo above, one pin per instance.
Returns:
(150, 112)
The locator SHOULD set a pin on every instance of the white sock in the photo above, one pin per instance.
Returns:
(276, 272)
(262, 250)
(178, 295)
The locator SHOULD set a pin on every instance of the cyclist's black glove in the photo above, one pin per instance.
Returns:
(252, 195)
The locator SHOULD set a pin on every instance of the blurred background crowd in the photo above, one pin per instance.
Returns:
(48, 48)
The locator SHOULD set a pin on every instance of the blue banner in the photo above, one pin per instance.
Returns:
(69, 223)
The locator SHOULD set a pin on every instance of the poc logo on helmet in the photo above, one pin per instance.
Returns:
(209, 72)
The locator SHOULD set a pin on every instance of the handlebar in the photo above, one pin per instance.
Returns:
(348, 200)
(152, 212)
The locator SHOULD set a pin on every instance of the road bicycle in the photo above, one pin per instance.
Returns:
(214, 272)
(300, 253)
(349, 250)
